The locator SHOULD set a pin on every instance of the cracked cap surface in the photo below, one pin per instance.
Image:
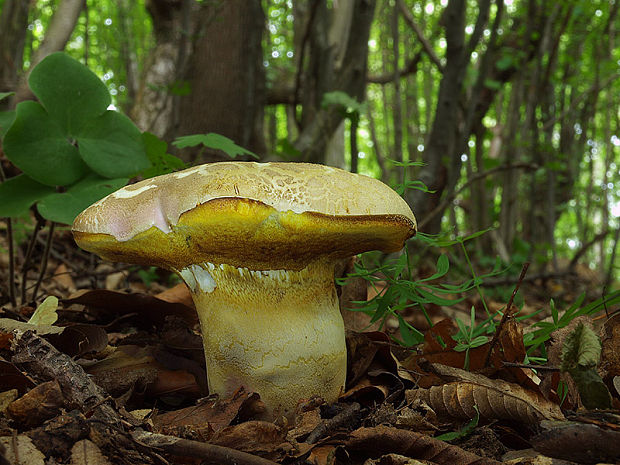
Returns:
(246, 214)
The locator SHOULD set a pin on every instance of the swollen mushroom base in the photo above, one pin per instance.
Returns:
(276, 332)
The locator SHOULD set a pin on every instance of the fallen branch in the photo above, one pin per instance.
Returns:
(344, 417)
(208, 453)
(43, 360)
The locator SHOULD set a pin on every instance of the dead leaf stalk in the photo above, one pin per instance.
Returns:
(507, 313)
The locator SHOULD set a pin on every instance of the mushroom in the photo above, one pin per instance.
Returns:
(256, 243)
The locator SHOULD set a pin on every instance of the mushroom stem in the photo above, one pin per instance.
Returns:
(275, 332)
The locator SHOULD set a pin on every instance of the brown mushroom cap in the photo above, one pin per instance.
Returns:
(255, 215)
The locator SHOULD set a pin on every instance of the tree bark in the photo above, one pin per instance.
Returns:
(397, 113)
(442, 137)
(458, 110)
(226, 76)
(153, 106)
(56, 37)
(13, 24)
(205, 74)
(328, 71)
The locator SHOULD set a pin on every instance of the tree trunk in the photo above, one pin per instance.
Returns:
(226, 77)
(56, 37)
(397, 113)
(154, 102)
(13, 24)
(442, 138)
(334, 64)
(205, 74)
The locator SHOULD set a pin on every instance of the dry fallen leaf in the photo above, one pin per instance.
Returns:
(384, 440)
(86, 452)
(12, 378)
(131, 365)
(62, 278)
(434, 351)
(79, 339)
(6, 397)
(305, 423)
(178, 294)
(578, 442)
(393, 459)
(150, 310)
(261, 438)
(494, 398)
(45, 314)
(37, 405)
(21, 446)
(212, 413)
(322, 455)
(610, 354)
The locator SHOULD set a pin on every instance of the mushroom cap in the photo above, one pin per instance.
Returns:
(262, 216)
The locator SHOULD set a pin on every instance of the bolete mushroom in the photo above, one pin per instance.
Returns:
(256, 243)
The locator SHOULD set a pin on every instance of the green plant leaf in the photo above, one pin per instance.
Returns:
(111, 145)
(70, 92)
(161, 161)
(64, 207)
(443, 265)
(475, 235)
(581, 354)
(592, 390)
(411, 337)
(19, 193)
(4, 95)
(6, 119)
(463, 432)
(37, 146)
(492, 84)
(478, 341)
(582, 348)
(504, 62)
(338, 97)
(429, 297)
(213, 141)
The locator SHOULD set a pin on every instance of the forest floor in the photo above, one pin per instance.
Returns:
(119, 378)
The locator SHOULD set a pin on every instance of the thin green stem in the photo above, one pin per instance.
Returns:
(473, 273)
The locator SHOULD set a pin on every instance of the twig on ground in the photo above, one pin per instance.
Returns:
(346, 416)
(531, 367)
(507, 313)
(41, 359)
(208, 453)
